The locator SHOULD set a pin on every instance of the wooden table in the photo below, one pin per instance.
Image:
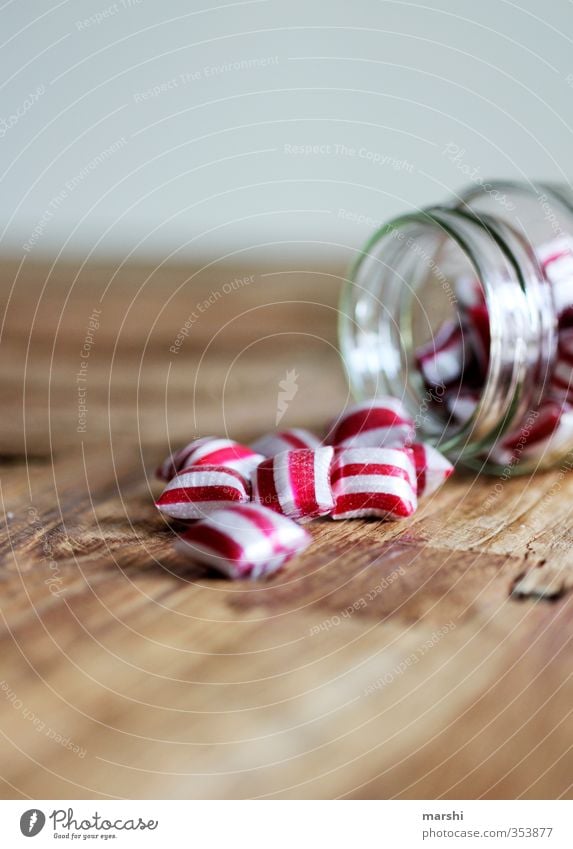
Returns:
(424, 659)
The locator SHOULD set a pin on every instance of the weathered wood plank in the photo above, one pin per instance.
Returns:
(389, 660)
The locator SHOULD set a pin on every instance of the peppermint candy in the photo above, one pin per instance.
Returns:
(461, 404)
(285, 440)
(480, 336)
(197, 491)
(211, 451)
(369, 472)
(377, 482)
(562, 375)
(296, 483)
(545, 431)
(557, 442)
(441, 360)
(245, 541)
(556, 260)
(469, 291)
(375, 423)
(432, 468)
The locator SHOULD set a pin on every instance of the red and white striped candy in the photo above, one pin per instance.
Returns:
(441, 360)
(469, 291)
(376, 423)
(479, 335)
(296, 483)
(558, 442)
(197, 491)
(245, 541)
(556, 259)
(561, 381)
(541, 436)
(374, 482)
(211, 451)
(285, 440)
(432, 468)
(178, 459)
(461, 403)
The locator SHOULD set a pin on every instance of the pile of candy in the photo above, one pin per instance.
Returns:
(454, 364)
(247, 504)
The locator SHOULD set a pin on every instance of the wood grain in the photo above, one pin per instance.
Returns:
(425, 659)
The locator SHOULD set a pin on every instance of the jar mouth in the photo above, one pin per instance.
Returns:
(407, 283)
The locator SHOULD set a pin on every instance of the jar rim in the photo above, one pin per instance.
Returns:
(474, 236)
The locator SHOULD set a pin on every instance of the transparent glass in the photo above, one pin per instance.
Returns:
(465, 312)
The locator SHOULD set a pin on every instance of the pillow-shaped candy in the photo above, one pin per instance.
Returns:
(196, 491)
(245, 541)
(378, 482)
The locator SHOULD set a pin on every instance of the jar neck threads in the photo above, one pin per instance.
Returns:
(449, 311)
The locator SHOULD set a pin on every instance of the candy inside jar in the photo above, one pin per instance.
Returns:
(465, 313)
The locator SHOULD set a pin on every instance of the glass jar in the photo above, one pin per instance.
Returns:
(465, 312)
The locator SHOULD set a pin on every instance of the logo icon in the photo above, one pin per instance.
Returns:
(288, 387)
(32, 822)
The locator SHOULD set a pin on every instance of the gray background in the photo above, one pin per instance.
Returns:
(173, 150)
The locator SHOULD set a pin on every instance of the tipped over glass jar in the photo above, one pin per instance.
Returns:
(465, 312)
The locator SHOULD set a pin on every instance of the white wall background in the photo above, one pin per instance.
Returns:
(202, 159)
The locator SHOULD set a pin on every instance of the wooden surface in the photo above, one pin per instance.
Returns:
(425, 659)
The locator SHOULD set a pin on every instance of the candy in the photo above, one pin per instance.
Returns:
(441, 360)
(469, 291)
(178, 459)
(556, 260)
(244, 541)
(377, 482)
(545, 431)
(285, 440)
(461, 404)
(376, 423)
(296, 483)
(197, 491)
(557, 442)
(562, 376)
(479, 336)
(371, 471)
(432, 468)
(211, 451)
